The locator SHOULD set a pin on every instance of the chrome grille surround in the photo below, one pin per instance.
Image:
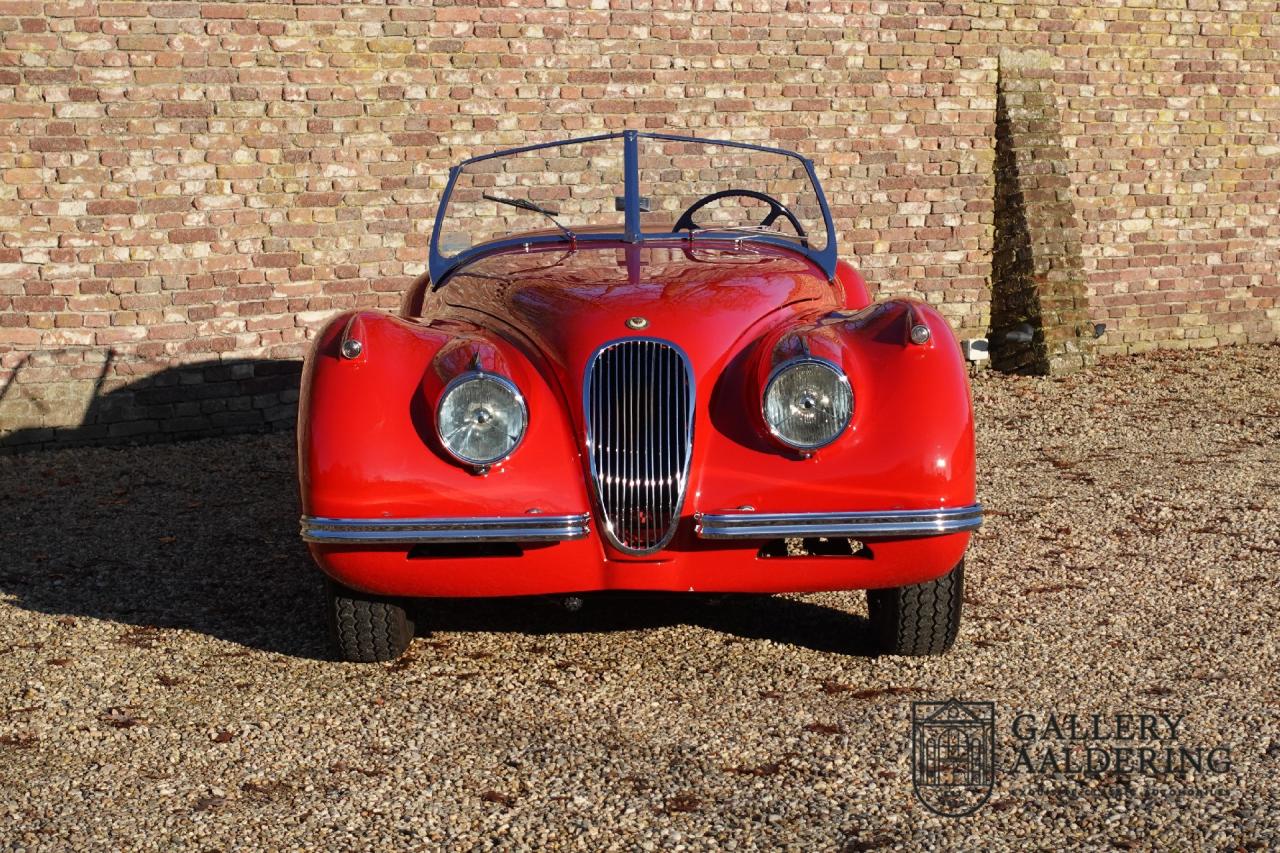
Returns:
(638, 401)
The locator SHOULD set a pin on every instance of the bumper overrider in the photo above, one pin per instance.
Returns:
(555, 528)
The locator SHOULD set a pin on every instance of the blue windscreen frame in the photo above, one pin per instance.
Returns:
(441, 267)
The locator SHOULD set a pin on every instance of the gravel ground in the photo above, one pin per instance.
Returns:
(163, 681)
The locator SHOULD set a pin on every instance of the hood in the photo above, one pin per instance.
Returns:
(564, 305)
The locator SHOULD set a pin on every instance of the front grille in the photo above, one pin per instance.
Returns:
(639, 401)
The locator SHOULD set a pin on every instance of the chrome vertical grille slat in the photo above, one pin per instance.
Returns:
(638, 398)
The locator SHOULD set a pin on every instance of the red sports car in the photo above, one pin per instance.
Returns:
(636, 363)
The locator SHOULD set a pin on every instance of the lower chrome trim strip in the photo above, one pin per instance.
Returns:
(886, 523)
(395, 531)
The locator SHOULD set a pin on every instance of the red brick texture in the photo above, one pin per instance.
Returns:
(187, 190)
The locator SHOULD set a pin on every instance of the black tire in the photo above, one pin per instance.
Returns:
(367, 628)
(922, 619)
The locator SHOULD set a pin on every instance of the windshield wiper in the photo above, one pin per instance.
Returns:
(534, 208)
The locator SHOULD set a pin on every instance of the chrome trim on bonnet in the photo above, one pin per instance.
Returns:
(393, 531)
(886, 523)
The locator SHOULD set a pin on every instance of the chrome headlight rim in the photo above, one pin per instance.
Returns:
(778, 370)
(481, 375)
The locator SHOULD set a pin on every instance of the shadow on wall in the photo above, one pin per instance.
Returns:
(189, 401)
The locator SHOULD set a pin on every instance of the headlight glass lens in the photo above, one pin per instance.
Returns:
(481, 419)
(808, 404)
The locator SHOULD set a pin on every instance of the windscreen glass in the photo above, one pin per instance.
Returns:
(577, 183)
(580, 186)
(757, 189)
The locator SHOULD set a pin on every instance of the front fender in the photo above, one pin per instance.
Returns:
(909, 444)
(367, 445)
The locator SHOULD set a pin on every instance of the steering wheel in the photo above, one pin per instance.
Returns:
(776, 209)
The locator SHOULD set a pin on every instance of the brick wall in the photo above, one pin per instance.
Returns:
(188, 189)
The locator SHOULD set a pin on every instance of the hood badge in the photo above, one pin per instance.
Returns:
(637, 323)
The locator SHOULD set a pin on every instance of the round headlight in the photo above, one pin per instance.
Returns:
(481, 418)
(808, 403)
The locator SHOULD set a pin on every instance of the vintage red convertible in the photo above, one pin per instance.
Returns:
(636, 363)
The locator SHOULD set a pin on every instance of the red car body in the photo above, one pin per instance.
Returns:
(366, 441)
(389, 512)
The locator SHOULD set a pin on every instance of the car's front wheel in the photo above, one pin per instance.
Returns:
(921, 619)
(367, 628)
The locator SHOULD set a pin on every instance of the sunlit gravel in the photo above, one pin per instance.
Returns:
(163, 680)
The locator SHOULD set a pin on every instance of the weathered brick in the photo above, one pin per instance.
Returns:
(193, 235)
(57, 143)
(277, 259)
(187, 109)
(106, 207)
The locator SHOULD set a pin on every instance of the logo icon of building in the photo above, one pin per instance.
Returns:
(953, 755)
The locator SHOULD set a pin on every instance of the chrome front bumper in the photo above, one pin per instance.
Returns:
(859, 525)
(408, 531)
(557, 528)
